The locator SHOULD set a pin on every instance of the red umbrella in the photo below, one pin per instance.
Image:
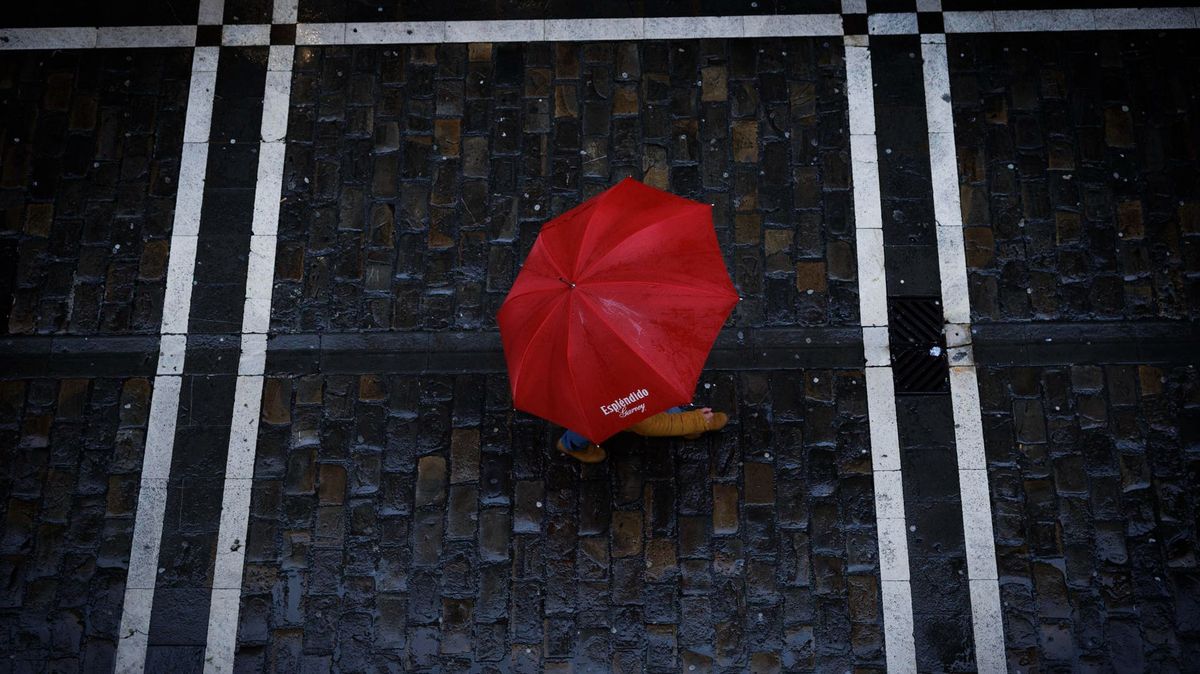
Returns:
(615, 310)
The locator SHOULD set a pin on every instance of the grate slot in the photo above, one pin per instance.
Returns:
(915, 335)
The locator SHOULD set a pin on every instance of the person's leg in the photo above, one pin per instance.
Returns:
(573, 441)
(580, 448)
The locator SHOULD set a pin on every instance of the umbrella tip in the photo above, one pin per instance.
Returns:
(569, 284)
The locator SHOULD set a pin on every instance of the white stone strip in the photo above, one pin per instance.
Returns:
(898, 23)
(685, 28)
(12, 39)
(164, 403)
(415, 32)
(246, 35)
(560, 30)
(520, 30)
(1149, 18)
(792, 25)
(881, 397)
(573, 30)
(964, 387)
(247, 399)
(285, 11)
(542, 30)
(212, 13)
(316, 34)
(125, 37)
(1058, 20)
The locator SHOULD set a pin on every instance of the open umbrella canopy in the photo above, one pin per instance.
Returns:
(615, 310)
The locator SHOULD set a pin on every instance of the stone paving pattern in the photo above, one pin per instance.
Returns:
(1094, 474)
(1077, 157)
(417, 177)
(465, 10)
(68, 492)
(405, 523)
(90, 145)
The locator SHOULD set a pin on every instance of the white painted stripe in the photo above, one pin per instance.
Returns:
(47, 38)
(1043, 20)
(261, 269)
(193, 164)
(875, 346)
(310, 34)
(890, 520)
(198, 119)
(415, 32)
(212, 12)
(929, 5)
(539, 30)
(125, 37)
(899, 23)
(171, 350)
(968, 424)
(245, 35)
(979, 543)
(985, 616)
(221, 641)
(792, 25)
(881, 407)
(969, 22)
(685, 28)
(898, 633)
(520, 30)
(160, 440)
(573, 30)
(164, 402)
(285, 11)
(177, 298)
(1148, 18)
(889, 495)
(872, 278)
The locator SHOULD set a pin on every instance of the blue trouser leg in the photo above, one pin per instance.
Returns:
(573, 441)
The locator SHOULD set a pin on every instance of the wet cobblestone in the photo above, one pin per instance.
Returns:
(460, 540)
(68, 491)
(90, 145)
(417, 177)
(1094, 474)
(1077, 161)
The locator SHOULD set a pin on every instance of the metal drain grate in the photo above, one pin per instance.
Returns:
(918, 345)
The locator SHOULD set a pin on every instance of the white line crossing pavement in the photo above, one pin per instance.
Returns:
(243, 433)
(164, 405)
(632, 28)
(899, 644)
(979, 545)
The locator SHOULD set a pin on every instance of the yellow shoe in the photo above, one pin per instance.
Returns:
(719, 419)
(593, 453)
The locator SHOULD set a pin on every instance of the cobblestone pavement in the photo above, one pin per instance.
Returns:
(1060, 137)
(73, 452)
(486, 550)
(403, 517)
(417, 177)
(1094, 484)
(90, 151)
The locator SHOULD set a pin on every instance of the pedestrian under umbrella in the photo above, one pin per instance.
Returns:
(609, 323)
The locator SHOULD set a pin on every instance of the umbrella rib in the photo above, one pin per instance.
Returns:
(536, 333)
(621, 336)
(657, 223)
(571, 374)
(530, 291)
(700, 290)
